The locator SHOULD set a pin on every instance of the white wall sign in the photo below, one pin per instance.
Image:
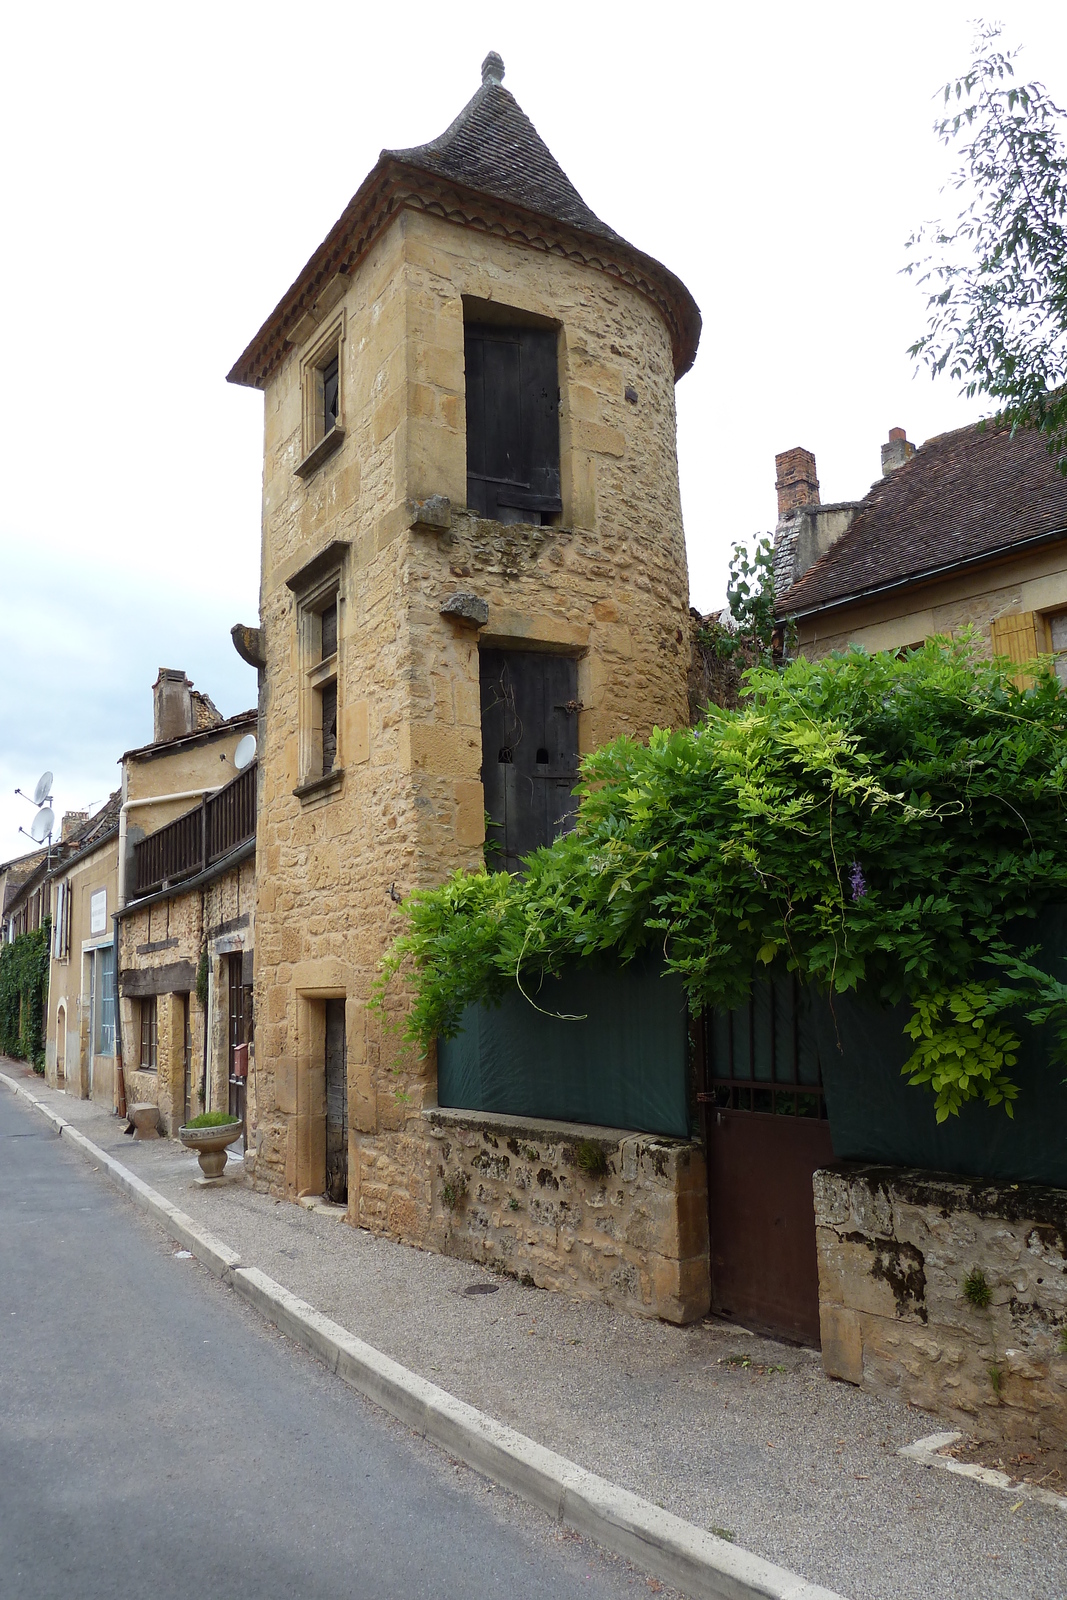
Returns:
(98, 911)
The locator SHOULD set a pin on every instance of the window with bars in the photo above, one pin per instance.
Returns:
(761, 1056)
(149, 1056)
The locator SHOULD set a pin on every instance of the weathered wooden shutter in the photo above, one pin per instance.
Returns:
(1020, 636)
(512, 384)
(529, 751)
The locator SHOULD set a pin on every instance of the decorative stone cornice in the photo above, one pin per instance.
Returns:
(393, 187)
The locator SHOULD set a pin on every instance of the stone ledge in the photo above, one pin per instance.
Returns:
(320, 452)
(327, 784)
(545, 1128)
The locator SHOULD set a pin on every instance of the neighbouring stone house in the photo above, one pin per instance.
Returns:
(942, 1253)
(16, 909)
(969, 528)
(186, 915)
(473, 571)
(83, 892)
(72, 885)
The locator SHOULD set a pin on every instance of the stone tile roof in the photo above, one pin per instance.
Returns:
(962, 496)
(493, 147)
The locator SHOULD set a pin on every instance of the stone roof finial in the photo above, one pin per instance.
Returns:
(493, 68)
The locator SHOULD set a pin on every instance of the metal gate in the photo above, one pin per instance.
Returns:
(765, 1132)
(336, 1103)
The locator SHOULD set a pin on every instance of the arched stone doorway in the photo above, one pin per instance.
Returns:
(61, 1046)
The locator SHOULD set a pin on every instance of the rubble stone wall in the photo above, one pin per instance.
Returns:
(596, 1213)
(897, 1251)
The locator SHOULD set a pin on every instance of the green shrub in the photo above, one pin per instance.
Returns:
(212, 1119)
(860, 819)
(24, 996)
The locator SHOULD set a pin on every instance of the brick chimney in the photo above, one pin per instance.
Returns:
(72, 821)
(795, 480)
(172, 706)
(896, 452)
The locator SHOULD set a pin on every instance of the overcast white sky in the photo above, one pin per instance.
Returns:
(168, 170)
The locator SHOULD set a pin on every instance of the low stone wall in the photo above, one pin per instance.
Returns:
(948, 1293)
(598, 1213)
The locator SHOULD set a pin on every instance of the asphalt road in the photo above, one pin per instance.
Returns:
(158, 1440)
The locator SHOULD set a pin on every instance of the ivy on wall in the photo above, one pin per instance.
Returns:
(891, 822)
(24, 996)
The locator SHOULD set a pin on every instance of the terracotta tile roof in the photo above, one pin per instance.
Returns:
(490, 171)
(962, 496)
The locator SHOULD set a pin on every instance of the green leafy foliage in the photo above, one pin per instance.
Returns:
(750, 590)
(997, 276)
(213, 1119)
(24, 996)
(895, 823)
(976, 1289)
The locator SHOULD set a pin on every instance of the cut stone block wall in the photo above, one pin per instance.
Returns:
(510, 1193)
(607, 586)
(896, 1248)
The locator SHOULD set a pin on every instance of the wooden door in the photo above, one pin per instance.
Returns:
(240, 1031)
(187, 1061)
(766, 1134)
(336, 1103)
(529, 751)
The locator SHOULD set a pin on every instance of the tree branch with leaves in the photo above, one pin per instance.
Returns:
(997, 275)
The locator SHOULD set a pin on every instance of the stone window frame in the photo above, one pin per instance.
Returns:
(318, 442)
(1055, 624)
(317, 586)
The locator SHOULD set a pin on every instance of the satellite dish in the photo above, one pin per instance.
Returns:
(43, 822)
(43, 789)
(245, 752)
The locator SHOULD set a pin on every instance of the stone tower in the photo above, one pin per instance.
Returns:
(472, 561)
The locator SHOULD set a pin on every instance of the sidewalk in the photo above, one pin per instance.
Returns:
(739, 1435)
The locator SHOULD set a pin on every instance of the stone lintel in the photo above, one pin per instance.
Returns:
(331, 555)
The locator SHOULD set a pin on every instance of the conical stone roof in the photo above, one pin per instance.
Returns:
(493, 147)
(493, 156)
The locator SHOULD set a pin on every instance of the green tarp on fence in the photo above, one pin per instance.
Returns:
(623, 1066)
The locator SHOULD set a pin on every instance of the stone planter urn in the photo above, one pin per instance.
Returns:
(210, 1145)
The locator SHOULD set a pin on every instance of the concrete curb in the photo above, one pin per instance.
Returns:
(671, 1549)
(927, 1452)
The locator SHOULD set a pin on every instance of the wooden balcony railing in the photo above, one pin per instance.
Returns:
(195, 841)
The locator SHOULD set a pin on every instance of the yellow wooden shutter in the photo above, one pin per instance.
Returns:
(1016, 636)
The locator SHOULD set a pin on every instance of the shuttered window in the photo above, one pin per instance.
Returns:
(1057, 631)
(512, 385)
(1019, 636)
